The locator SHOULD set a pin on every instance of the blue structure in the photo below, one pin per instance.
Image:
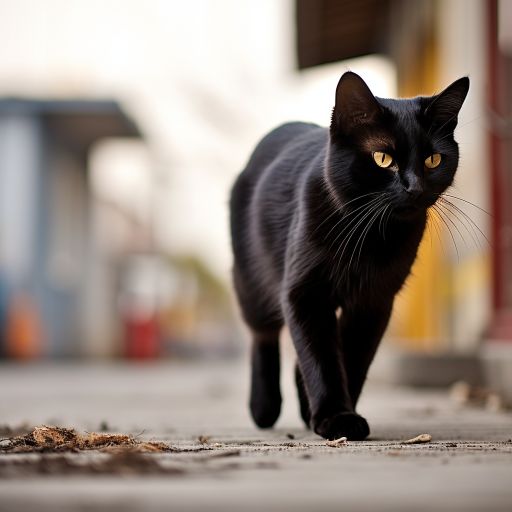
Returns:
(45, 199)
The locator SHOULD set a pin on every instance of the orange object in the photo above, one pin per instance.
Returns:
(23, 329)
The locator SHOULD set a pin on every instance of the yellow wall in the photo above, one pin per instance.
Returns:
(419, 310)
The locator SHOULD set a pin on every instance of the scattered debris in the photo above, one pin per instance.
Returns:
(220, 455)
(140, 447)
(494, 403)
(465, 394)
(127, 463)
(59, 439)
(8, 431)
(337, 443)
(422, 438)
(460, 392)
(104, 426)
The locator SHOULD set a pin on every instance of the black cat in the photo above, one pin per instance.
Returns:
(325, 226)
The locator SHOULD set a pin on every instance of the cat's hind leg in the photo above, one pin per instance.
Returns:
(265, 398)
(265, 322)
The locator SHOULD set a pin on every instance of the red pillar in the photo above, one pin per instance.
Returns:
(501, 326)
(493, 59)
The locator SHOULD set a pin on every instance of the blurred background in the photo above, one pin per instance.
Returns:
(124, 123)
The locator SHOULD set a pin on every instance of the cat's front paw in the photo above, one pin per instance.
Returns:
(344, 424)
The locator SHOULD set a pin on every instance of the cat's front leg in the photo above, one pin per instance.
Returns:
(361, 330)
(311, 320)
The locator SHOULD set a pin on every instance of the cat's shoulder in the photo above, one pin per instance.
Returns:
(288, 132)
(277, 144)
(294, 128)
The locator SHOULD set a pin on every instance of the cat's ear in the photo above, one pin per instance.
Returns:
(355, 104)
(444, 108)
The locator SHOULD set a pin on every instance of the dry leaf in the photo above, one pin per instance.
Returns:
(422, 438)
(337, 443)
(52, 436)
(58, 439)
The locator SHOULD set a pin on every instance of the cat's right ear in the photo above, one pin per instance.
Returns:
(355, 104)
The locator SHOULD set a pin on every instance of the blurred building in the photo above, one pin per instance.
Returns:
(47, 258)
(80, 271)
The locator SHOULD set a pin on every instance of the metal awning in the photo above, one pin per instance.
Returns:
(78, 122)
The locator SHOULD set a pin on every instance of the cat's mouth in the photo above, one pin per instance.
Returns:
(409, 210)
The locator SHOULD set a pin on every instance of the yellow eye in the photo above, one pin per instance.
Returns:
(433, 161)
(382, 159)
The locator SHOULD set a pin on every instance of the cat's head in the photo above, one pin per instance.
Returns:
(403, 148)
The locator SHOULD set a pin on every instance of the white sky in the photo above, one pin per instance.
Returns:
(204, 79)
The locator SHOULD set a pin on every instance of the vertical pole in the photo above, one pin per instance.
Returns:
(494, 158)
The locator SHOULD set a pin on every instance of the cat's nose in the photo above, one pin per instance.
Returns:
(413, 186)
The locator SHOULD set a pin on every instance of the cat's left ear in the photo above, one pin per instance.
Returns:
(444, 108)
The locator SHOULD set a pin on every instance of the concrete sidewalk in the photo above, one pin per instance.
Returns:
(467, 466)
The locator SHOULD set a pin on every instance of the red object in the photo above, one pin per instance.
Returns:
(142, 337)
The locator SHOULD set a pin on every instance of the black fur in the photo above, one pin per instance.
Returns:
(323, 240)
